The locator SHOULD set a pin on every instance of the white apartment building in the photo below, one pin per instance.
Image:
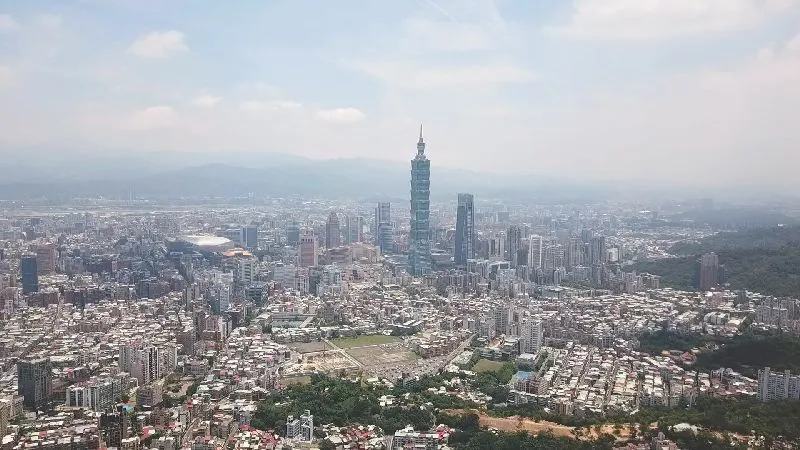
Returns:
(777, 386)
(531, 335)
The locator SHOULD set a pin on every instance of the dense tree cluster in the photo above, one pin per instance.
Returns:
(749, 352)
(763, 260)
(344, 402)
(656, 342)
(741, 415)
(340, 402)
(495, 383)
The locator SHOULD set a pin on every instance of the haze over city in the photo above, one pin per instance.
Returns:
(684, 92)
(399, 224)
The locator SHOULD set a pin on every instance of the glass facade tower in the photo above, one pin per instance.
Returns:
(419, 251)
(465, 230)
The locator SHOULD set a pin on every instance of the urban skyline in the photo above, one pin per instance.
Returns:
(142, 312)
(213, 232)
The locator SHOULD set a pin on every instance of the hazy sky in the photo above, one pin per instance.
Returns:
(700, 91)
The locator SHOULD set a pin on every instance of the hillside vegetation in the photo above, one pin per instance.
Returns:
(763, 260)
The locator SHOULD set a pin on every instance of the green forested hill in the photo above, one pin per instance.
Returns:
(764, 260)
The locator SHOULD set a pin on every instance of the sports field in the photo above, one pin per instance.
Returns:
(362, 341)
(485, 365)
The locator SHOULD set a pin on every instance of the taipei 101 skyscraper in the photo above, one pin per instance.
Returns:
(419, 252)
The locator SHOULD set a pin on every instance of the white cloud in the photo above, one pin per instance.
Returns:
(272, 105)
(341, 115)
(49, 23)
(151, 118)
(5, 76)
(733, 126)
(159, 44)
(7, 23)
(660, 19)
(206, 101)
(413, 77)
(793, 46)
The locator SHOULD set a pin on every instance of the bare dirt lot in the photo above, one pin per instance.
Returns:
(378, 355)
(309, 347)
(515, 423)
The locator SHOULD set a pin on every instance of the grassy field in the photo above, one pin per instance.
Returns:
(484, 365)
(361, 341)
(296, 380)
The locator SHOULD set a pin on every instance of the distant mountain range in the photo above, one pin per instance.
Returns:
(76, 170)
(38, 174)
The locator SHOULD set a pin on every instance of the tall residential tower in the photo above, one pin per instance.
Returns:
(419, 251)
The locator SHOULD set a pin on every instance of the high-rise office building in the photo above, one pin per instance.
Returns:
(353, 228)
(535, 252)
(419, 252)
(333, 233)
(34, 381)
(308, 249)
(497, 246)
(465, 229)
(293, 234)
(573, 252)
(383, 227)
(250, 236)
(708, 271)
(598, 253)
(513, 244)
(46, 258)
(30, 274)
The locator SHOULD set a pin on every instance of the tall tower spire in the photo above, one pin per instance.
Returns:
(420, 144)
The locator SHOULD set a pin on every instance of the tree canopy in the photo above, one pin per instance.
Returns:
(765, 260)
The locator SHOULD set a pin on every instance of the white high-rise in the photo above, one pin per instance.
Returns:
(248, 269)
(302, 428)
(531, 335)
(503, 316)
(777, 385)
(143, 362)
(535, 251)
